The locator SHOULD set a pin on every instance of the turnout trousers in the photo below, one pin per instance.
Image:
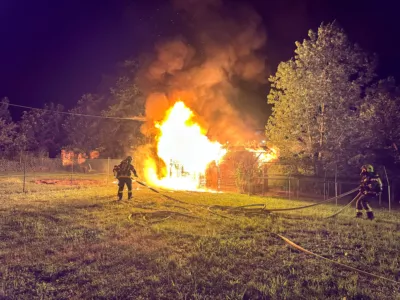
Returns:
(363, 203)
(121, 184)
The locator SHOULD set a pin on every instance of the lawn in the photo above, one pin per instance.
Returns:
(76, 241)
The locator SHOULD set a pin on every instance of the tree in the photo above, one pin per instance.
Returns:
(83, 133)
(4, 111)
(111, 137)
(8, 130)
(126, 101)
(40, 131)
(381, 110)
(316, 98)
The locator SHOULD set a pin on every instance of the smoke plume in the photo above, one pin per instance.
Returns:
(208, 68)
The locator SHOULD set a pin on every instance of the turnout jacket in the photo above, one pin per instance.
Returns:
(370, 184)
(124, 170)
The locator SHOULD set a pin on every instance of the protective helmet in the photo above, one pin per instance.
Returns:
(367, 168)
(129, 158)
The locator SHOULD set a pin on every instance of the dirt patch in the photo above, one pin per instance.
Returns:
(68, 181)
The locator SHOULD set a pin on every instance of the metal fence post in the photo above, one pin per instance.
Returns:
(263, 180)
(328, 191)
(108, 169)
(388, 183)
(23, 187)
(336, 186)
(249, 184)
(72, 171)
(298, 188)
(218, 178)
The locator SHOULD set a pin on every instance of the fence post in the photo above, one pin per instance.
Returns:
(249, 184)
(108, 169)
(23, 187)
(290, 197)
(298, 188)
(263, 180)
(336, 186)
(218, 178)
(72, 171)
(328, 191)
(388, 183)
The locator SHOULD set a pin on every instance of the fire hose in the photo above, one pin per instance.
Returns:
(300, 207)
(359, 196)
(165, 211)
(158, 192)
(292, 244)
(285, 239)
(269, 210)
(289, 242)
(150, 188)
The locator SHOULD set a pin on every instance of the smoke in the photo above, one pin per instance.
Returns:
(208, 69)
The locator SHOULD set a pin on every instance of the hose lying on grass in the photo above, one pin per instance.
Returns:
(209, 208)
(166, 196)
(250, 205)
(359, 196)
(292, 244)
(285, 239)
(300, 207)
(217, 214)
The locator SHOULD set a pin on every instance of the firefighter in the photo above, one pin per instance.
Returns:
(123, 173)
(370, 189)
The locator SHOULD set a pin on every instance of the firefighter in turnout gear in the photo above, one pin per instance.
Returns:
(370, 189)
(123, 173)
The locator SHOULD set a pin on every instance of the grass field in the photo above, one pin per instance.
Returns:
(76, 242)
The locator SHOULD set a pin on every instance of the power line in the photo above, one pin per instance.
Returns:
(140, 119)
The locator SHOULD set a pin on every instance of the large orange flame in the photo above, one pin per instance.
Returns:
(185, 149)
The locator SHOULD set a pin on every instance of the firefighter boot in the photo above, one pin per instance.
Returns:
(129, 195)
(370, 215)
(359, 214)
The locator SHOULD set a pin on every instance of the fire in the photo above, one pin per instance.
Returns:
(185, 149)
(264, 155)
(94, 154)
(81, 158)
(67, 157)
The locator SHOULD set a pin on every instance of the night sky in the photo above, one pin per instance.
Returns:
(54, 51)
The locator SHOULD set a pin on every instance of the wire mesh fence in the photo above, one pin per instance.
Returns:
(33, 174)
(271, 179)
